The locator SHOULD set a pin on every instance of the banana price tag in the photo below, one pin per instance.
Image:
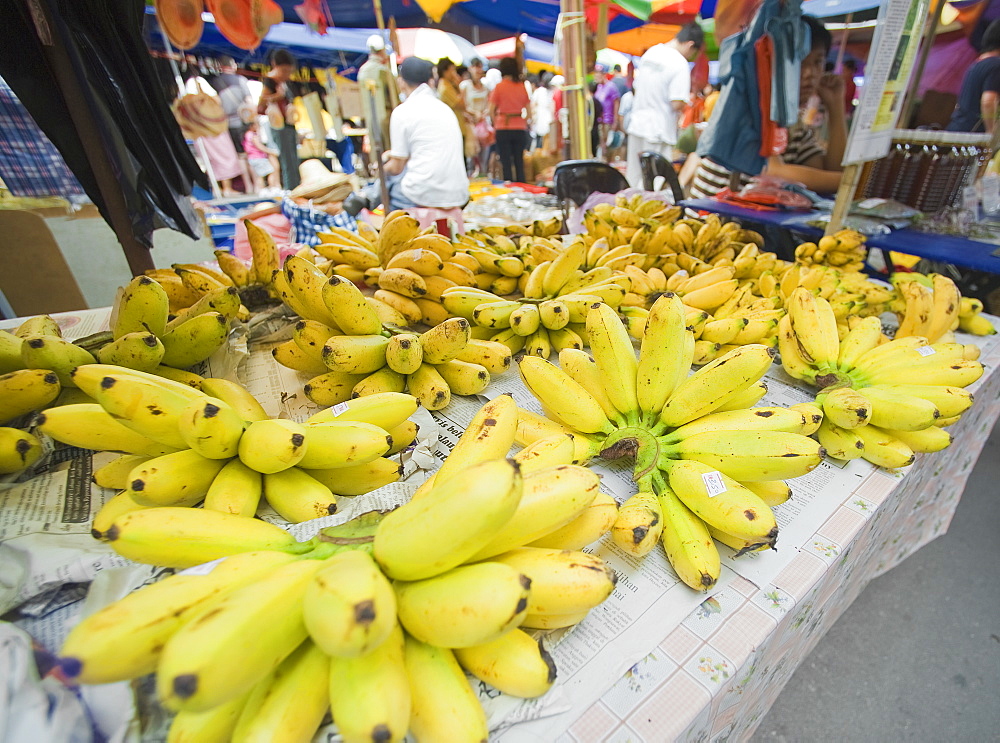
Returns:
(713, 483)
(340, 408)
(926, 351)
(204, 569)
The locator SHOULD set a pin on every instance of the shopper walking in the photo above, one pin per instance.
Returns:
(279, 92)
(509, 104)
(662, 91)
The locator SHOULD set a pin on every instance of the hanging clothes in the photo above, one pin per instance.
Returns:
(117, 81)
(733, 136)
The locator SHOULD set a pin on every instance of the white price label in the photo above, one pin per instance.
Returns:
(204, 569)
(713, 483)
(926, 351)
(340, 408)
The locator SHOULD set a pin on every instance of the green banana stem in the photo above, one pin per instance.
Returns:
(831, 378)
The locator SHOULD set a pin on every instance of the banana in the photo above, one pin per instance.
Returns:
(570, 402)
(402, 436)
(582, 369)
(290, 703)
(123, 640)
(370, 694)
(429, 387)
(361, 478)
(952, 374)
(24, 390)
(148, 407)
(199, 281)
(864, 337)
(840, 443)
(751, 419)
(180, 478)
(142, 351)
(237, 489)
(464, 509)
(612, 349)
(772, 492)
(358, 257)
(142, 306)
(687, 542)
(883, 449)
(735, 509)
(846, 407)
(279, 288)
(444, 707)
(89, 426)
(715, 384)
(225, 301)
(266, 258)
(815, 328)
(349, 608)
(585, 529)
(310, 336)
(211, 428)
(750, 455)
(514, 663)
(899, 411)
(664, 355)
(54, 353)
(928, 440)
(524, 320)
(496, 314)
(395, 236)
(639, 524)
(403, 281)
(562, 581)
(553, 621)
(235, 395)
(10, 352)
(386, 410)
(349, 308)
(332, 388)
(289, 354)
(976, 324)
(466, 606)
(553, 314)
(496, 357)
(114, 474)
(18, 450)
(919, 307)
(228, 647)
(538, 344)
(355, 354)
(562, 267)
(464, 378)
(43, 325)
(403, 353)
(272, 445)
(445, 341)
(213, 725)
(234, 268)
(545, 453)
(194, 340)
(812, 416)
(550, 499)
(342, 443)
(384, 380)
(950, 401)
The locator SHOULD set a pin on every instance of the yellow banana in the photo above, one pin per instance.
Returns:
(514, 663)
(348, 307)
(194, 340)
(840, 443)
(142, 306)
(570, 401)
(211, 428)
(612, 350)
(361, 478)
(882, 448)
(53, 353)
(24, 390)
(236, 489)
(687, 542)
(444, 707)
(272, 445)
(235, 395)
(750, 455)
(846, 407)
(18, 450)
(446, 341)
(639, 524)
(562, 582)
(332, 388)
(593, 523)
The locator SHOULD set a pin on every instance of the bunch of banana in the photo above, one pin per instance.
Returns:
(882, 401)
(538, 228)
(376, 620)
(843, 249)
(187, 283)
(498, 262)
(971, 320)
(182, 446)
(705, 459)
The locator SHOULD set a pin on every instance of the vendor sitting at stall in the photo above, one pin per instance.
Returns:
(426, 165)
(804, 160)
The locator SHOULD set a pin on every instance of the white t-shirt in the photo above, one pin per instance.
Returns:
(663, 76)
(476, 99)
(425, 131)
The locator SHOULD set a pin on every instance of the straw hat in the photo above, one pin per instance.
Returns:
(320, 184)
(200, 115)
(181, 21)
(245, 22)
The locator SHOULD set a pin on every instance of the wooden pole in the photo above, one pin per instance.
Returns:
(574, 24)
(845, 197)
(601, 37)
(843, 44)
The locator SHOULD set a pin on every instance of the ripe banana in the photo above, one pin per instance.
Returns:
(142, 306)
(89, 426)
(882, 448)
(846, 407)
(514, 663)
(349, 309)
(142, 351)
(899, 411)
(385, 410)
(355, 354)
(639, 524)
(183, 477)
(272, 445)
(612, 350)
(749, 456)
(572, 405)
(562, 582)
(18, 450)
(593, 523)
(235, 395)
(148, 407)
(211, 428)
(429, 387)
(54, 353)
(686, 541)
(444, 707)
(236, 489)
(361, 478)
(297, 496)
(664, 355)
(194, 340)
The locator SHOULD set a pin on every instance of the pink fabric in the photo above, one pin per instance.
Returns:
(427, 215)
(222, 156)
(250, 146)
(277, 225)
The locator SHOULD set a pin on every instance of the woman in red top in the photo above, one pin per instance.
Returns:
(509, 104)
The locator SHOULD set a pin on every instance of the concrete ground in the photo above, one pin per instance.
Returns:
(917, 656)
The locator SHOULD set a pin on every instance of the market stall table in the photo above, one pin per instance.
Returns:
(960, 251)
(658, 661)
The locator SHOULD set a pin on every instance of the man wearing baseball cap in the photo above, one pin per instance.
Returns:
(426, 164)
(376, 69)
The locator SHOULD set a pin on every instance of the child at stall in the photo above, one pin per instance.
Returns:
(263, 159)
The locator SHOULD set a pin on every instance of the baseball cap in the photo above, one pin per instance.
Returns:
(375, 43)
(600, 67)
(415, 70)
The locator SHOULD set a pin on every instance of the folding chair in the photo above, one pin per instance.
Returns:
(653, 164)
(575, 180)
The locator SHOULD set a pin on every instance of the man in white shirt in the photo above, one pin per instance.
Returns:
(662, 90)
(426, 162)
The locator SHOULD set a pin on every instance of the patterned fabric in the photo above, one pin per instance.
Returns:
(30, 164)
(307, 221)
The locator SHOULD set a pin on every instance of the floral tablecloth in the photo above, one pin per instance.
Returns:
(714, 677)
